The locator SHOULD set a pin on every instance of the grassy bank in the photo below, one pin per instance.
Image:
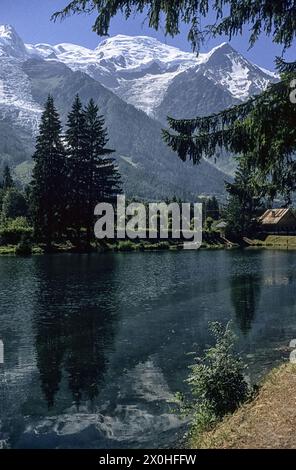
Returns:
(275, 241)
(269, 421)
(120, 246)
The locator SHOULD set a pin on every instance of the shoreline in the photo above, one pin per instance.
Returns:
(266, 421)
(120, 247)
(37, 250)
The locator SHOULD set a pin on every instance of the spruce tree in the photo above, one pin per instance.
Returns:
(48, 181)
(212, 208)
(261, 129)
(77, 161)
(103, 179)
(243, 201)
(275, 18)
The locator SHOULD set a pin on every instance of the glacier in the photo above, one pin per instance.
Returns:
(140, 69)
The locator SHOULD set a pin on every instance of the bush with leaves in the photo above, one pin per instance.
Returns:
(14, 204)
(217, 383)
(13, 231)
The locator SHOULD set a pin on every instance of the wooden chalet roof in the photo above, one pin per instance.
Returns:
(274, 216)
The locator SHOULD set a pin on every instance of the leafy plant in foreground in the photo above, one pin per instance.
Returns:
(217, 383)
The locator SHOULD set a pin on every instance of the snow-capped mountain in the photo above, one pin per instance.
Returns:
(141, 69)
(11, 44)
(125, 76)
(15, 90)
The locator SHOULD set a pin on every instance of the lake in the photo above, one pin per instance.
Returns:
(97, 345)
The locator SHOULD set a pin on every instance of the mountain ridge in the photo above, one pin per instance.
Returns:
(137, 82)
(140, 69)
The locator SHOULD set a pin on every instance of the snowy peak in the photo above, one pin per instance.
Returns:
(141, 69)
(229, 69)
(131, 52)
(10, 43)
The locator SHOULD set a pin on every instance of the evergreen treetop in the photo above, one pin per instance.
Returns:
(262, 131)
(274, 18)
(48, 180)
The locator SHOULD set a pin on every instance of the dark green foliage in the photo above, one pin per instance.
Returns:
(274, 18)
(212, 208)
(77, 161)
(209, 224)
(102, 176)
(7, 181)
(238, 221)
(262, 131)
(217, 381)
(243, 201)
(69, 181)
(2, 194)
(14, 204)
(49, 176)
(13, 231)
(92, 176)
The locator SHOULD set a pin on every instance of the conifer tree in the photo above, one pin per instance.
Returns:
(243, 201)
(275, 18)
(77, 161)
(263, 126)
(212, 208)
(262, 130)
(7, 181)
(48, 181)
(103, 179)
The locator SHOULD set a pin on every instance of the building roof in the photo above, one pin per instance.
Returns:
(274, 216)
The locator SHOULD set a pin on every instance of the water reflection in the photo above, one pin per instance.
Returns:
(72, 339)
(50, 350)
(245, 297)
(95, 346)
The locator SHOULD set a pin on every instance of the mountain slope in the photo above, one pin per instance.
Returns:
(126, 76)
(224, 80)
(148, 166)
(141, 70)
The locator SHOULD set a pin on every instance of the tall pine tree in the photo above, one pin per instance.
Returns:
(48, 181)
(77, 162)
(103, 179)
(244, 200)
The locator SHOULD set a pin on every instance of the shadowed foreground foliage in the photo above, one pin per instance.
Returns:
(274, 18)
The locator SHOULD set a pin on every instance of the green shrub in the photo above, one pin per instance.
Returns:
(216, 381)
(14, 204)
(13, 231)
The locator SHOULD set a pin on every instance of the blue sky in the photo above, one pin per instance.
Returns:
(31, 19)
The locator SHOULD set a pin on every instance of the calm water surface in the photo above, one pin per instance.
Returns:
(97, 345)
